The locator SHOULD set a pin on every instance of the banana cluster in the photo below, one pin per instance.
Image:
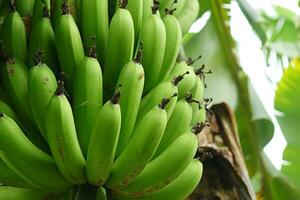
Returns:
(94, 97)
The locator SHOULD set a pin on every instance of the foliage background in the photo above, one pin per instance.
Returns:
(279, 35)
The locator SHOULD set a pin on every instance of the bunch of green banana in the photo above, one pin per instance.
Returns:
(121, 108)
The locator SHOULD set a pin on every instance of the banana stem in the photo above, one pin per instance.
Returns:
(166, 101)
(179, 78)
(116, 98)
(123, 3)
(139, 56)
(155, 7)
(12, 6)
(190, 61)
(38, 57)
(65, 8)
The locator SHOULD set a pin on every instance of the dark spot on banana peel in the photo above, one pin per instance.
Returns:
(141, 76)
(10, 70)
(60, 147)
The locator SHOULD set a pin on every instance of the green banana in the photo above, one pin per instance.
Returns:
(180, 188)
(9, 177)
(153, 37)
(103, 143)
(173, 44)
(140, 148)
(162, 90)
(178, 124)
(120, 46)
(189, 81)
(135, 8)
(87, 98)
(198, 90)
(101, 194)
(62, 138)
(25, 7)
(56, 9)
(199, 113)
(41, 87)
(165, 168)
(15, 78)
(15, 193)
(68, 44)
(94, 22)
(26, 160)
(42, 37)
(7, 110)
(188, 15)
(40, 6)
(132, 80)
(13, 34)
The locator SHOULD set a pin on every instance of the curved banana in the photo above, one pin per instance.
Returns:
(42, 37)
(178, 124)
(153, 37)
(68, 44)
(190, 78)
(94, 23)
(13, 34)
(15, 193)
(188, 15)
(163, 90)
(103, 143)
(41, 88)
(165, 168)
(38, 168)
(132, 80)
(9, 177)
(135, 8)
(180, 188)
(87, 98)
(140, 148)
(120, 46)
(15, 80)
(25, 7)
(39, 9)
(173, 44)
(7, 110)
(62, 138)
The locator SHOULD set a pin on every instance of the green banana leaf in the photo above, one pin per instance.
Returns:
(279, 33)
(287, 104)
